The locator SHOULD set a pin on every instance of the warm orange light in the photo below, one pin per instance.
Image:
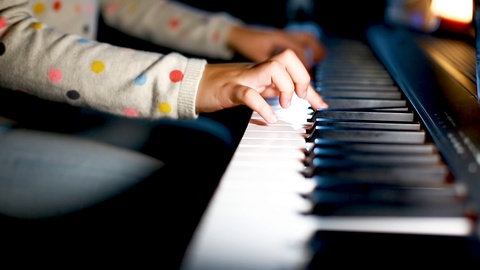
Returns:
(455, 10)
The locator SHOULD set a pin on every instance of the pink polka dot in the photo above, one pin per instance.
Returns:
(130, 112)
(176, 76)
(3, 23)
(90, 8)
(55, 75)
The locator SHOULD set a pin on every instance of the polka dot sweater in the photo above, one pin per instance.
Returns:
(48, 49)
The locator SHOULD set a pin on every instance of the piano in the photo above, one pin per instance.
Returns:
(389, 174)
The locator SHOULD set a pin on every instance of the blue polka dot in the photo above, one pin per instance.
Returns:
(141, 79)
(83, 41)
(417, 20)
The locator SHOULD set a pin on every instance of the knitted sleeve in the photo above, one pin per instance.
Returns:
(50, 64)
(172, 24)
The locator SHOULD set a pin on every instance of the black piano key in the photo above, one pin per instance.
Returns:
(353, 249)
(360, 94)
(373, 209)
(399, 109)
(333, 181)
(368, 124)
(384, 194)
(363, 115)
(351, 73)
(374, 147)
(355, 81)
(342, 169)
(363, 103)
(353, 87)
(383, 200)
(359, 124)
(366, 135)
(351, 62)
(335, 163)
(374, 158)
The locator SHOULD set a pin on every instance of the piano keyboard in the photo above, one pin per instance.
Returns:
(364, 167)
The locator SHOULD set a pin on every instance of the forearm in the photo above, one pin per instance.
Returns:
(172, 25)
(66, 68)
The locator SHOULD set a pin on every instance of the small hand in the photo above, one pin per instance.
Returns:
(259, 44)
(228, 85)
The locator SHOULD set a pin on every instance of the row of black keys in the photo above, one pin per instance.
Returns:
(370, 154)
(371, 157)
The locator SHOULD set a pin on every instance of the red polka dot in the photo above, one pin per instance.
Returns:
(57, 5)
(174, 23)
(130, 112)
(77, 8)
(176, 76)
(55, 75)
(112, 8)
(3, 23)
(216, 37)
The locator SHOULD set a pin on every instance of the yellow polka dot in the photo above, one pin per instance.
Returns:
(98, 67)
(164, 107)
(37, 25)
(133, 8)
(38, 8)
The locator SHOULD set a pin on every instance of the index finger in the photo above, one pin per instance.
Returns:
(297, 72)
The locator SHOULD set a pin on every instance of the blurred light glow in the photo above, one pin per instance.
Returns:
(456, 10)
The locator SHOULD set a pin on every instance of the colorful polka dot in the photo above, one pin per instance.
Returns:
(176, 76)
(216, 37)
(174, 23)
(73, 94)
(83, 41)
(86, 29)
(141, 79)
(132, 8)
(3, 48)
(37, 25)
(130, 112)
(164, 107)
(39, 8)
(90, 8)
(98, 67)
(3, 23)
(77, 8)
(112, 8)
(57, 5)
(55, 75)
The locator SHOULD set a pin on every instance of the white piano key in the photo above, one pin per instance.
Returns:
(453, 226)
(275, 128)
(278, 135)
(251, 151)
(298, 144)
